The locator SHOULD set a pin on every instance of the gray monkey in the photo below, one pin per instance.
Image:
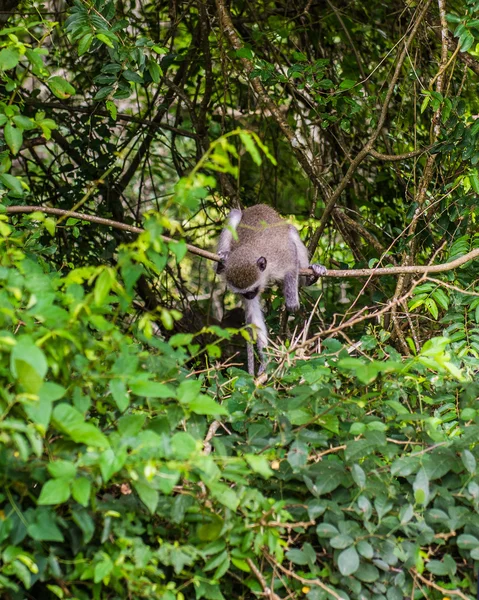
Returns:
(264, 249)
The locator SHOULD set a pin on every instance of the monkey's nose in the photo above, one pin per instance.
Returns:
(251, 295)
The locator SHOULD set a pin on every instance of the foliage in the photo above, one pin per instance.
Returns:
(137, 458)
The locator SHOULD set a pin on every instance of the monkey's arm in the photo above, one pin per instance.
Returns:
(226, 237)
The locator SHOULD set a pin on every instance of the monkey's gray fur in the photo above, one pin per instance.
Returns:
(264, 249)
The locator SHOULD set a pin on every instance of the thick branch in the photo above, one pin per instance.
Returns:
(340, 273)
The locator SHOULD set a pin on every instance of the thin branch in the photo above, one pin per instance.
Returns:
(93, 110)
(444, 591)
(293, 575)
(267, 591)
(340, 273)
(398, 157)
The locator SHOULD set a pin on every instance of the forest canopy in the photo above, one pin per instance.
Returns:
(138, 458)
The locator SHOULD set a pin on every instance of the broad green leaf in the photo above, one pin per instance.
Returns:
(204, 405)
(147, 495)
(55, 491)
(469, 461)
(183, 445)
(259, 464)
(298, 557)
(12, 183)
(62, 469)
(9, 58)
(81, 489)
(84, 44)
(225, 495)
(120, 395)
(71, 421)
(60, 87)
(348, 561)
(152, 389)
(28, 364)
(13, 137)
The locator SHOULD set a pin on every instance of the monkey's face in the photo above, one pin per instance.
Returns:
(246, 277)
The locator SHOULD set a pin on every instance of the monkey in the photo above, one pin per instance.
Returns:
(257, 247)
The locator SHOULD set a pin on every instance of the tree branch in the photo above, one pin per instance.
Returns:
(340, 273)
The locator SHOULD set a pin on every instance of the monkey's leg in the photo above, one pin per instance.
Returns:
(290, 290)
(254, 316)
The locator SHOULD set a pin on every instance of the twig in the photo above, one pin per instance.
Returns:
(339, 273)
(317, 582)
(433, 585)
(267, 591)
(213, 428)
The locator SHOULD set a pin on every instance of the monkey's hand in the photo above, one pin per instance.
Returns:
(221, 266)
(318, 271)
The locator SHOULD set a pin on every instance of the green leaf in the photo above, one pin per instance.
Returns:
(204, 405)
(183, 445)
(250, 146)
(120, 395)
(224, 495)
(105, 39)
(13, 137)
(111, 462)
(348, 561)
(12, 183)
(9, 58)
(43, 527)
(245, 53)
(469, 461)
(467, 542)
(147, 495)
(81, 489)
(111, 108)
(28, 364)
(152, 389)
(24, 122)
(55, 491)
(71, 421)
(62, 469)
(102, 569)
(154, 70)
(60, 87)
(84, 44)
(259, 464)
(40, 412)
(341, 541)
(103, 285)
(298, 557)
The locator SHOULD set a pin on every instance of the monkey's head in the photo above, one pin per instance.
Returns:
(246, 276)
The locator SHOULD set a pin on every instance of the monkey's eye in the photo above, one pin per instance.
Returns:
(251, 295)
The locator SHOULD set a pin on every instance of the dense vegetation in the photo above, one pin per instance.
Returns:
(138, 459)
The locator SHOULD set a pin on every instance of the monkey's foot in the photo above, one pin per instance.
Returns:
(292, 308)
(318, 271)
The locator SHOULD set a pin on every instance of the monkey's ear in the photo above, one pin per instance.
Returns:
(261, 262)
